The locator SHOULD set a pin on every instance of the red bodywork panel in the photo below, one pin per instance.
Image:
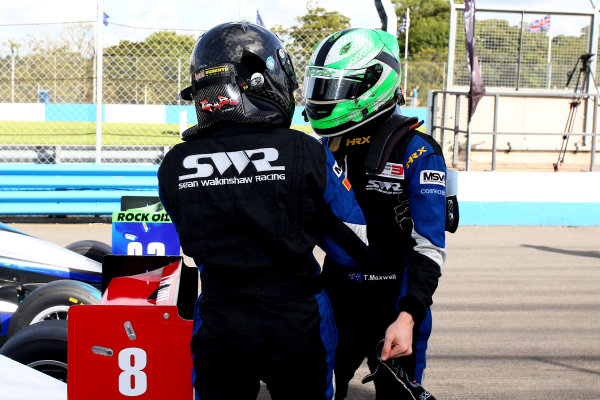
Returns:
(134, 345)
(157, 287)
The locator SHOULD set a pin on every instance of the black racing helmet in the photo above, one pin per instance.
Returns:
(241, 73)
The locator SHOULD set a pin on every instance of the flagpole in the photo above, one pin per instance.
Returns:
(549, 62)
(406, 51)
(99, 23)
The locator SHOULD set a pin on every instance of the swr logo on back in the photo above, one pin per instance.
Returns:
(223, 160)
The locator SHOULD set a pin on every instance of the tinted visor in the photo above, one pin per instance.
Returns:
(329, 84)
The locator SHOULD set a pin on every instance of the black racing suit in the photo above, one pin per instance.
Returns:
(406, 258)
(249, 205)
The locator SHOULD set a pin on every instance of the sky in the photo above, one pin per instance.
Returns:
(195, 15)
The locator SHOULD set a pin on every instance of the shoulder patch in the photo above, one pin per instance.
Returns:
(432, 177)
(415, 155)
(346, 184)
(392, 170)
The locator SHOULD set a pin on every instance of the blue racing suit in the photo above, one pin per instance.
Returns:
(405, 210)
(249, 205)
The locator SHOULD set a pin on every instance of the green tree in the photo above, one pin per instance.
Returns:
(429, 28)
(148, 71)
(161, 43)
(427, 42)
(316, 25)
(61, 63)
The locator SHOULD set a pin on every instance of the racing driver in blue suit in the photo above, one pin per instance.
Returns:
(351, 87)
(250, 199)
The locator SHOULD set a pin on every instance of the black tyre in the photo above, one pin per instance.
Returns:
(52, 301)
(91, 249)
(41, 346)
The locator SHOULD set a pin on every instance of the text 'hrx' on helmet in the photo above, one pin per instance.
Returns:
(241, 74)
(353, 76)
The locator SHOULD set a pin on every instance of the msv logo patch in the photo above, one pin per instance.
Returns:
(432, 177)
(208, 165)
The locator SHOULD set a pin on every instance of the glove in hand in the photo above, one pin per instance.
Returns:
(405, 384)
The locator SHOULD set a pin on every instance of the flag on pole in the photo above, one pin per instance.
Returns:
(477, 88)
(540, 24)
(403, 25)
(105, 19)
(259, 20)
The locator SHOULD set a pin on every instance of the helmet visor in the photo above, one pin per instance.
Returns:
(330, 84)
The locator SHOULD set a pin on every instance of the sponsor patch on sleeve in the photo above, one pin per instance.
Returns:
(337, 170)
(432, 177)
(346, 184)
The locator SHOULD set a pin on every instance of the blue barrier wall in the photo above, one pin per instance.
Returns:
(485, 198)
(529, 214)
(72, 189)
(529, 198)
(71, 112)
(174, 111)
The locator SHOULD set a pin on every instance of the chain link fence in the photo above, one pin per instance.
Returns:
(527, 58)
(48, 80)
(48, 91)
(520, 50)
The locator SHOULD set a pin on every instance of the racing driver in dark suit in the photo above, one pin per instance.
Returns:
(352, 90)
(250, 199)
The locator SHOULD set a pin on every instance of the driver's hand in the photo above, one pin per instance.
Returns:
(398, 337)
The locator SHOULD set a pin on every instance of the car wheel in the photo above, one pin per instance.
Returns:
(91, 249)
(42, 347)
(52, 301)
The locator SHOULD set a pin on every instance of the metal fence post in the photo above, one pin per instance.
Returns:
(594, 135)
(443, 122)
(451, 46)
(12, 71)
(178, 80)
(431, 113)
(520, 50)
(495, 133)
(99, 67)
(468, 146)
(456, 131)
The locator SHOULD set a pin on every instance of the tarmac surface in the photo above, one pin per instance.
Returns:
(516, 314)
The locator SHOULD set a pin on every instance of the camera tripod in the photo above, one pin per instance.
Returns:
(580, 90)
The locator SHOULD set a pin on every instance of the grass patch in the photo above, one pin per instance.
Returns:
(84, 133)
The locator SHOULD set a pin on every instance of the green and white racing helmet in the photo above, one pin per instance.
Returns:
(352, 76)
